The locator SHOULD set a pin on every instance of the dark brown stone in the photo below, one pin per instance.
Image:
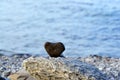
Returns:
(54, 49)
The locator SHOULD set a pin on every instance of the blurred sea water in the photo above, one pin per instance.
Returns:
(84, 26)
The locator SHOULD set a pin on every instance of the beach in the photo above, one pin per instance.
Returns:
(89, 30)
(109, 66)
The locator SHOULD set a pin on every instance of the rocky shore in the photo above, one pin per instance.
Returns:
(11, 64)
(110, 67)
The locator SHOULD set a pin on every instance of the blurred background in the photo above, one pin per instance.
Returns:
(84, 26)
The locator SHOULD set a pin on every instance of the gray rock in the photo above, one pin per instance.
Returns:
(6, 74)
(62, 69)
(21, 75)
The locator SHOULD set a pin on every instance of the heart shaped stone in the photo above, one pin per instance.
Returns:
(54, 49)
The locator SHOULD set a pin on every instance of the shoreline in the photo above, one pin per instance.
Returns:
(108, 65)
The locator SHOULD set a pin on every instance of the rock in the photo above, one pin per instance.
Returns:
(61, 69)
(13, 76)
(54, 49)
(6, 73)
(21, 75)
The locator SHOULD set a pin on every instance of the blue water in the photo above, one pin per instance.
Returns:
(84, 26)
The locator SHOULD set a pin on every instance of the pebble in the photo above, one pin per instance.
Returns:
(54, 49)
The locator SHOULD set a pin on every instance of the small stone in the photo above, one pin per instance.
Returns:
(6, 73)
(13, 76)
(2, 69)
(21, 75)
(54, 49)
